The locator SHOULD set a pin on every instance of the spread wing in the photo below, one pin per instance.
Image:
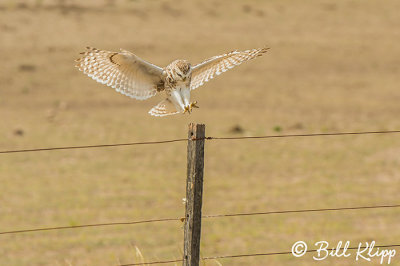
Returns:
(216, 65)
(123, 71)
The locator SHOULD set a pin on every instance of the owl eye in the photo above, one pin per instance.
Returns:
(179, 75)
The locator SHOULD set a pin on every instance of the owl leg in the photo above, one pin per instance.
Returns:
(177, 99)
(186, 95)
(185, 92)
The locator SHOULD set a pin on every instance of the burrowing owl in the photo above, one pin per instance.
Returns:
(134, 77)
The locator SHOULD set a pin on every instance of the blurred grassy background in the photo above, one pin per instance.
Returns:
(333, 66)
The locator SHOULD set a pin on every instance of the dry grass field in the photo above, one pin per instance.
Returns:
(333, 66)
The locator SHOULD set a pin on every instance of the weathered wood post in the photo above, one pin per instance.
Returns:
(194, 194)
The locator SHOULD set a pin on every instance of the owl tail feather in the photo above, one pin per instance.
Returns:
(164, 108)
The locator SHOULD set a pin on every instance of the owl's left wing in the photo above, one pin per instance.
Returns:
(123, 71)
(216, 65)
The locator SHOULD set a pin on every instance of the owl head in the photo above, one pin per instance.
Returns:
(183, 69)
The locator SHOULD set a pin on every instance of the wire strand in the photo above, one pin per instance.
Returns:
(206, 138)
(306, 135)
(89, 225)
(95, 146)
(247, 255)
(152, 262)
(300, 211)
(283, 253)
(203, 217)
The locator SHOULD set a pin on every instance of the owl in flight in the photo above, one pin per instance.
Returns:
(139, 79)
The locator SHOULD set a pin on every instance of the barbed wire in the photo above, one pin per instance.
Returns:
(203, 217)
(284, 253)
(247, 255)
(95, 146)
(305, 135)
(152, 262)
(300, 211)
(206, 138)
(89, 225)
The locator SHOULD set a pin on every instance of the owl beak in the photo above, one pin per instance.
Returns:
(184, 79)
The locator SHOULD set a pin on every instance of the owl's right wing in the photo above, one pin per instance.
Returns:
(123, 71)
(217, 65)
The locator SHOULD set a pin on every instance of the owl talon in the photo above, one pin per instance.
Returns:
(186, 110)
(194, 105)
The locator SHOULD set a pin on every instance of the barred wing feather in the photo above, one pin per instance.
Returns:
(123, 71)
(164, 108)
(216, 65)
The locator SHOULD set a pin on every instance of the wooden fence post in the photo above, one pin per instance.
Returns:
(194, 194)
